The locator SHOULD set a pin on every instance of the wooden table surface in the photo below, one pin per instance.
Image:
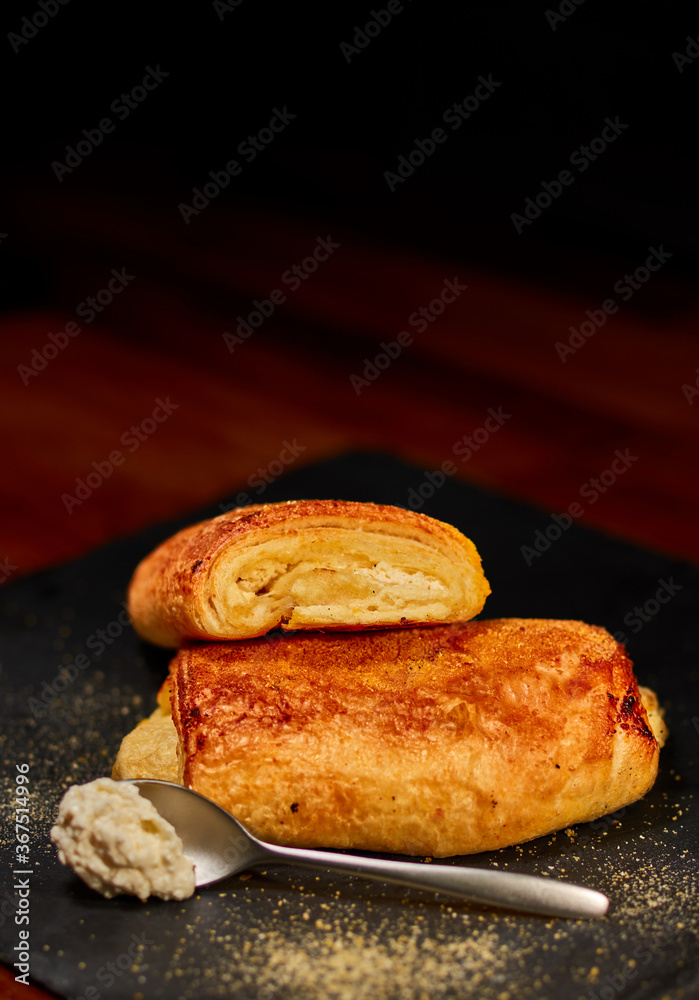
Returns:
(629, 388)
(285, 396)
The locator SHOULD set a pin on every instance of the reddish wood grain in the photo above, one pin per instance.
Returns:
(494, 346)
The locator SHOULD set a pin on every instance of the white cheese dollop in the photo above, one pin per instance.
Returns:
(117, 842)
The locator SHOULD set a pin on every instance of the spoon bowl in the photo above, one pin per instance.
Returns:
(215, 841)
(220, 846)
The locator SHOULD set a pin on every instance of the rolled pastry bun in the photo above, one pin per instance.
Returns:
(430, 741)
(306, 564)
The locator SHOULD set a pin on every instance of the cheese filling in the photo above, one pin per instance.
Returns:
(118, 843)
(343, 578)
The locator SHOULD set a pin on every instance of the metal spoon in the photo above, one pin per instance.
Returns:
(219, 847)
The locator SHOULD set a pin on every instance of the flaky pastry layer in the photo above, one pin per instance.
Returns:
(430, 741)
(305, 564)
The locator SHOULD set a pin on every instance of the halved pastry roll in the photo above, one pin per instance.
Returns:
(307, 564)
(435, 741)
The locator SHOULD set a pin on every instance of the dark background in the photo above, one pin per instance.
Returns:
(324, 174)
(228, 69)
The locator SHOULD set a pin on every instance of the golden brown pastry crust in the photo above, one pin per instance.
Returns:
(303, 565)
(152, 749)
(435, 741)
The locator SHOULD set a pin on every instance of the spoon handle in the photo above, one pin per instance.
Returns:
(530, 893)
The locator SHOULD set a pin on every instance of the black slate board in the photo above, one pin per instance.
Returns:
(283, 933)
